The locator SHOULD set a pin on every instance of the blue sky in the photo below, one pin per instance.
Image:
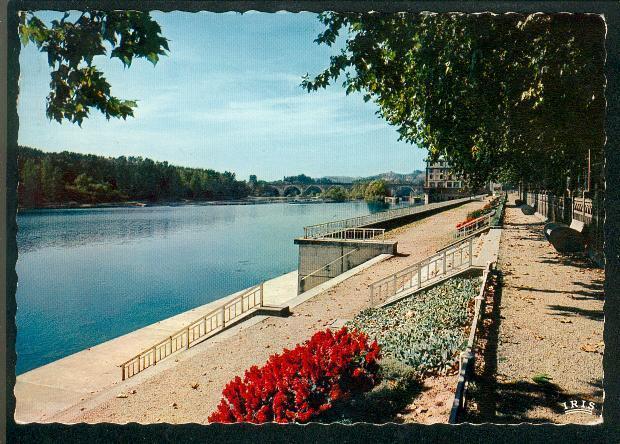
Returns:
(227, 97)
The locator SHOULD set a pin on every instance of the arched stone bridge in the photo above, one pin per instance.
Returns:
(298, 189)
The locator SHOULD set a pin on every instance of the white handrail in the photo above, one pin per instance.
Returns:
(319, 230)
(457, 257)
(474, 225)
(363, 234)
(207, 325)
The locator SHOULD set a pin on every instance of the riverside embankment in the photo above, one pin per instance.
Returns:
(90, 275)
(188, 390)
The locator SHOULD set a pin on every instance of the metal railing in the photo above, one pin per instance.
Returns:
(473, 226)
(321, 230)
(582, 208)
(206, 326)
(363, 234)
(450, 260)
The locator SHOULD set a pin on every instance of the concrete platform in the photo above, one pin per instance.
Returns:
(321, 260)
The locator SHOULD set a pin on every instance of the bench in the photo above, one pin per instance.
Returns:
(577, 225)
(566, 239)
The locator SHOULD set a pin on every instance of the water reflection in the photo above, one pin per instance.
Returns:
(89, 275)
(70, 228)
(75, 227)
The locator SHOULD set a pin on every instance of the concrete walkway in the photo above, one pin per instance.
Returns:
(488, 247)
(547, 321)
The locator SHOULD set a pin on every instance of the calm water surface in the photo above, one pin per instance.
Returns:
(90, 275)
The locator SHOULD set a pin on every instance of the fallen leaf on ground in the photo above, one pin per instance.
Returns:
(541, 378)
(589, 348)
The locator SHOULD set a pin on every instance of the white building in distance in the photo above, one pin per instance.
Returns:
(440, 175)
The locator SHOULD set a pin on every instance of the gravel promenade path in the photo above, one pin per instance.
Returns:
(549, 322)
(190, 390)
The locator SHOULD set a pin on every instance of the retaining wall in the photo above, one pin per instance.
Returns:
(403, 220)
(314, 254)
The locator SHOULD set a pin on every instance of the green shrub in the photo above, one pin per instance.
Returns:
(399, 386)
(338, 194)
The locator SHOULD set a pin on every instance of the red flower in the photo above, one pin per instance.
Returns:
(301, 383)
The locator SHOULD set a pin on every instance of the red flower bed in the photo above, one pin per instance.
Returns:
(473, 215)
(302, 382)
(465, 222)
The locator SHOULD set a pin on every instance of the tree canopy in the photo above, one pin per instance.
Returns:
(508, 97)
(338, 194)
(77, 85)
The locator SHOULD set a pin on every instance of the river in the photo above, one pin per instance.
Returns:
(89, 275)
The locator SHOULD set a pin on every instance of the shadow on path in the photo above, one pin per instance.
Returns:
(397, 390)
(399, 254)
(570, 261)
(598, 295)
(597, 284)
(519, 398)
(523, 224)
(568, 311)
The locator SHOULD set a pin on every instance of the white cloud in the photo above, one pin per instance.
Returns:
(325, 112)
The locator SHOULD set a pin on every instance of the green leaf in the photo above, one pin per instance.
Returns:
(541, 378)
(153, 58)
(24, 34)
(77, 86)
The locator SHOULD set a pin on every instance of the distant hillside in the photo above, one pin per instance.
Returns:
(342, 179)
(416, 177)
